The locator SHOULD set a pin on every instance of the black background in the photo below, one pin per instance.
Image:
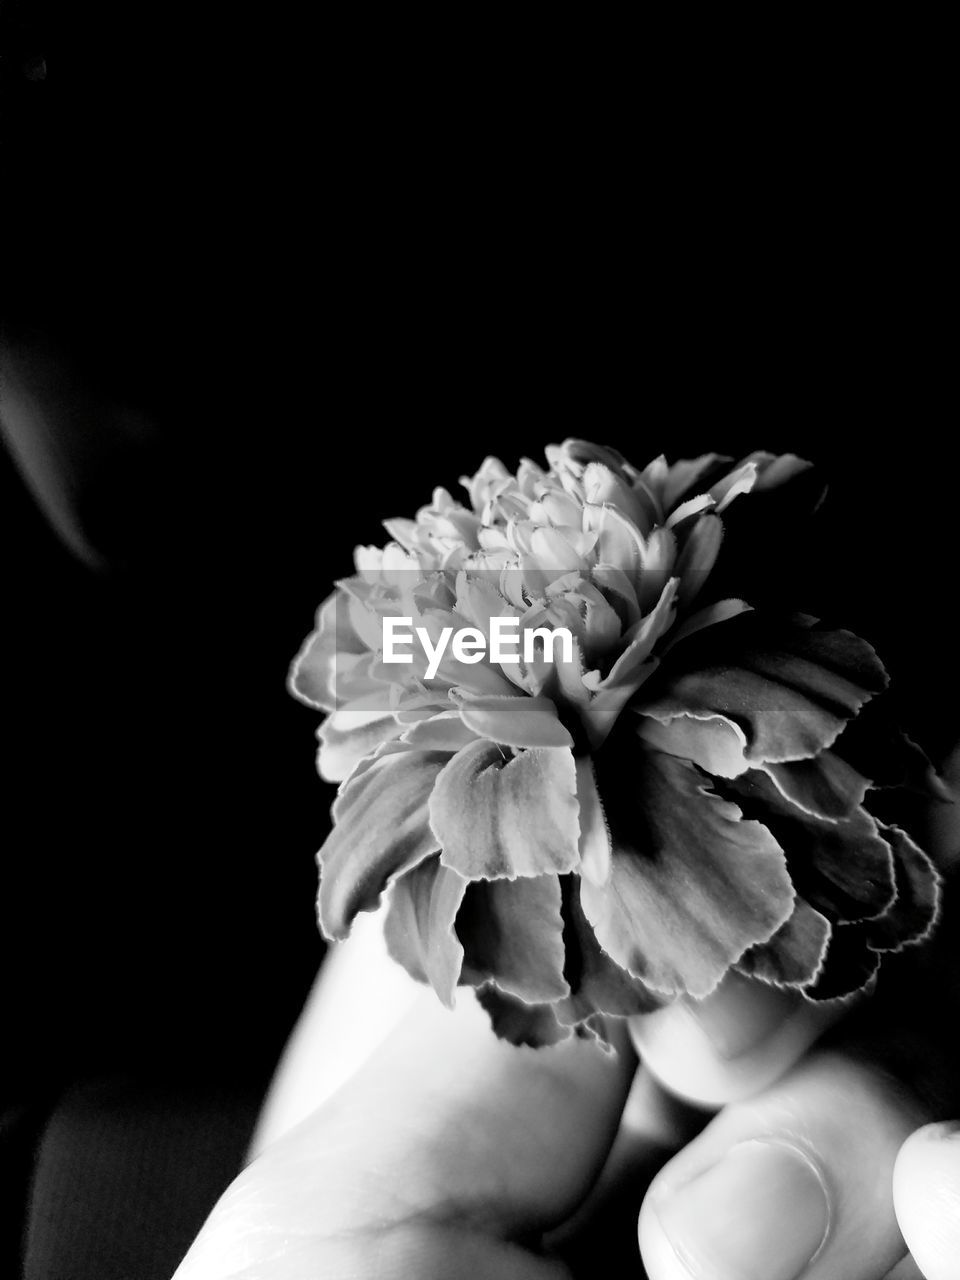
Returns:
(277, 285)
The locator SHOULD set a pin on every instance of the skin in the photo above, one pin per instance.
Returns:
(410, 1142)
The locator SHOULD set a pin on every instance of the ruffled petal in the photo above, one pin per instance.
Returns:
(381, 830)
(692, 884)
(512, 933)
(500, 816)
(657, 560)
(914, 913)
(777, 470)
(314, 668)
(419, 926)
(516, 722)
(352, 733)
(619, 541)
(535, 1025)
(791, 688)
(619, 589)
(692, 507)
(478, 600)
(848, 966)
(825, 786)
(843, 868)
(603, 487)
(876, 747)
(739, 481)
(714, 744)
(356, 604)
(443, 732)
(575, 455)
(553, 551)
(722, 611)
(480, 485)
(684, 478)
(608, 695)
(597, 983)
(697, 557)
(595, 849)
(624, 672)
(795, 954)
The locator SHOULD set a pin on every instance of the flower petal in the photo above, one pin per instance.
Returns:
(825, 786)
(792, 688)
(713, 744)
(381, 830)
(516, 722)
(619, 541)
(314, 668)
(535, 1025)
(913, 915)
(479, 486)
(359, 606)
(741, 480)
(478, 600)
(553, 551)
(876, 747)
(722, 611)
(692, 507)
(419, 926)
(692, 884)
(351, 733)
(677, 480)
(512, 933)
(597, 983)
(843, 868)
(601, 486)
(775, 471)
(502, 816)
(619, 589)
(594, 832)
(443, 732)
(848, 966)
(698, 555)
(625, 671)
(795, 954)
(657, 567)
(575, 455)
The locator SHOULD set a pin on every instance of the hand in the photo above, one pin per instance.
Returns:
(449, 1153)
(798, 1180)
(447, 1150)
(438, 1158)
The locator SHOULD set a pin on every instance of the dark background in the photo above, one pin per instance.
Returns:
(259, 294)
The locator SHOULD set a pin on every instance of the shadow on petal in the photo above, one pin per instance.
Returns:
(692, 883)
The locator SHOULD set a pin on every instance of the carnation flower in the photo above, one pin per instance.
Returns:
(603, 832)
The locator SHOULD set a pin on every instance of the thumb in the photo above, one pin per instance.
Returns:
(926, 1196)
(446, 1147)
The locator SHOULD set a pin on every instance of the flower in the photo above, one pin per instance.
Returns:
(605, 832)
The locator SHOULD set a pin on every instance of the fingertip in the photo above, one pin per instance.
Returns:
(736, 1042)
(926, 1197)
(742, 1014)
(774, 1188)
(760, 1212)
(659, 1256)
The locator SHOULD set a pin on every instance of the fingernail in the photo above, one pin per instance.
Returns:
(761, 1213)
(741, 1014)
